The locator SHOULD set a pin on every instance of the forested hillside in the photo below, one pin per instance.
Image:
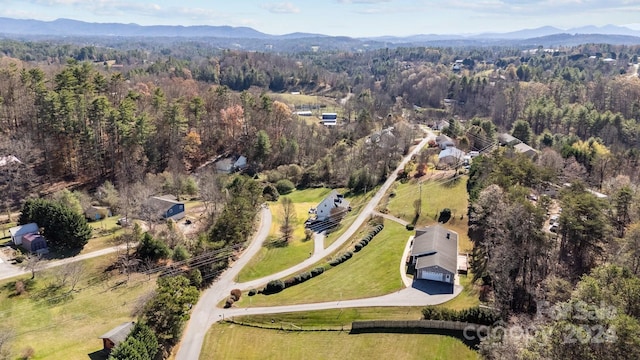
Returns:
(139, 119)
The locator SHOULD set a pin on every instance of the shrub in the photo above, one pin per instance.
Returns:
(284, 186)
(180, 253)
(195, 277)
(252, 292)
(229, 302)
(20, 287)
(237, 293)
(357, 247)
(410, 227)
(334, 262)
(305, 276)
(273, 286)
(348, 254)
(317, 271)
(476, 315)
(445, 215)
(290, 282)
(270, 193)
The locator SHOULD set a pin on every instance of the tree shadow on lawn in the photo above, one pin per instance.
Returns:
(98, 355)
(458, 334)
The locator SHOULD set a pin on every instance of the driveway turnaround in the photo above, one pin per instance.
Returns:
(206, 312)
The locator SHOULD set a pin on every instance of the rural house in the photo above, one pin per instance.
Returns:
(17, 232)
(527, 150)
(434, 254)
(28, 236)
(505, 139)
(444, 142)
(450, 156)
(333, 204)
(231, 164)
(115, 336)
(34, 243)
(167, 207)
(95, 213)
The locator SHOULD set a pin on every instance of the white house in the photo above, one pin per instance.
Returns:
(434, 254)
(333, 203)
(18, 232)
(450, 156)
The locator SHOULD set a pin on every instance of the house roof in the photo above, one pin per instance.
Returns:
(443, 138)
(119, 333)
(524, 148)
(9, 159)
(432, 248)
(24, 229)
(164, 202)
(451, 151)
(508, 139)
(335, 200)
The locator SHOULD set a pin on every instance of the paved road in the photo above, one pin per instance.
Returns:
(202, 316)
(206, 312)
(8, 271)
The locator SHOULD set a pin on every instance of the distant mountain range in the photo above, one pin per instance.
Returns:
(545, 36)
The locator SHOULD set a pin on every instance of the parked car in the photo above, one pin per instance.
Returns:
(554, 228)
(553, 219)
(123, 221)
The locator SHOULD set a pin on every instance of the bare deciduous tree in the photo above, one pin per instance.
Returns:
(288, 218)
(33, 263)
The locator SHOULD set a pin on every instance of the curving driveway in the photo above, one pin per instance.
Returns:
(206, 312)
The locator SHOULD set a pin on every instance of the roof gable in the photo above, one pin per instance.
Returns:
(24, 229)
(436, 246)
(119, 333)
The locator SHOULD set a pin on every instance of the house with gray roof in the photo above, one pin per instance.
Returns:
(434, 254)
(168, 207)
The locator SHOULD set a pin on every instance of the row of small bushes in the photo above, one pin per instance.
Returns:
(475, 315)
(365, 241)
(340, 259)
(275, 286)
(233, 297)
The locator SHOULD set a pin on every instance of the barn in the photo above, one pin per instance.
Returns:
(34, 243)
(434, 254)
(18, 232)
(116, 335)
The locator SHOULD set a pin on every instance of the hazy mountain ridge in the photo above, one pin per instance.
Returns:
(250, 39)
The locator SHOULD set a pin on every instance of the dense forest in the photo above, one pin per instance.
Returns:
(123, 123)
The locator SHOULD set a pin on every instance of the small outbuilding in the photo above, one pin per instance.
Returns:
(117, 335)
(35, 243)
(95, 213)
(18, 232)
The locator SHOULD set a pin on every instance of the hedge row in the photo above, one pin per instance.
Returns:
(475, 315)
(275, 286)
(340, 259)
(365, 240)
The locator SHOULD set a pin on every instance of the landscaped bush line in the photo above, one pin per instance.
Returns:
(475, 315)
(273, 287)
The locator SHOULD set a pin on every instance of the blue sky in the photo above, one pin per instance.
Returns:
(355, 18)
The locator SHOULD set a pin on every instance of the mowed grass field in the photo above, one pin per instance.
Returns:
(59, 327)
(436, 196)
(272, 259)
(231, 341)
(371, 272)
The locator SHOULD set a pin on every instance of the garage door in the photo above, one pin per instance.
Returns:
(428, 275)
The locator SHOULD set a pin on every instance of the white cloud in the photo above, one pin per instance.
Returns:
(281, 8)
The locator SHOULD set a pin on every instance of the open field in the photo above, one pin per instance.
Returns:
(436, 196)
(272, 259)
(334, 319)
(62, 325)
(230, 341)
(370, 272)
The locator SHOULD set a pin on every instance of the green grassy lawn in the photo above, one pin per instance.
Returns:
(59, 327)
(435, 197)
(104, 234)
(230, 341)
(370, 272)
(272, 259)
(468, 298)
(333, 319)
